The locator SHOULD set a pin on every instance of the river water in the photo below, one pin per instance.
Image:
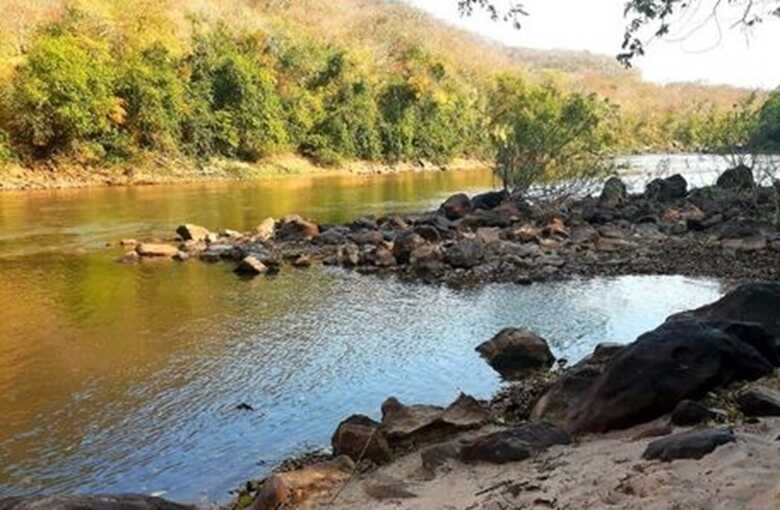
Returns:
(121, 378)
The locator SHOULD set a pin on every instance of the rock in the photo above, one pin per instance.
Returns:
(348, 255)
(561, 399)
(739, 178)
(489, 200)
(294, 228)
(265, 231)
(428, 232)
(189, 232)
(513, 352)
(302, 261)
(367, 237)
(688, 445)
(556, 229)
(128, 243)
(500, 217)
(359, 437)
(383, 257)
(130, 257)
(98, 502)
(404, 424)
(456, 207)
(156, 250)
(752, 302)
(688, 413)
(466, 253)
(439, 455)
(614, 193)
(527, 234)
(515, 444)
(404, 244)
(759, 401)
(680, 360)
(664, 190)
(286, 490)
(333, 237)
(488, 235)
(250, 266)
(750, 244)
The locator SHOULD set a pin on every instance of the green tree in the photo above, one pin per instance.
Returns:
(547, 138)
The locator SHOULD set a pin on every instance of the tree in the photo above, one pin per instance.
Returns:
(653, 19)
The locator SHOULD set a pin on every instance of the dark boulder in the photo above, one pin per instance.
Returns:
(680, 360)
(688, 445)
(189, 232)
(359, 437)
(738, 178)
(456, 207)
(466, 253)
(489, 200)
(759, 401)
(664, 190)
(99, 502)
(513, 352)
(753, 302)
(515, 444)
(689, 413)
(559, 401)
(614, 193)
(295, 228)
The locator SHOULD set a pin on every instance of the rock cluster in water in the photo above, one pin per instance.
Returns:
(725, 230)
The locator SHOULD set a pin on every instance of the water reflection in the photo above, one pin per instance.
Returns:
(125, 378)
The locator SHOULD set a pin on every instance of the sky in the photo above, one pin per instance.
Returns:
(735, 58)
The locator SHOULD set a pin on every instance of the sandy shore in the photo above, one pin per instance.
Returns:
(598, 472)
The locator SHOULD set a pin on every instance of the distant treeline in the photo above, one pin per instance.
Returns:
(84, 89)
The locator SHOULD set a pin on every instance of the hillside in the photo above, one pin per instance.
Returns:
(332, 80)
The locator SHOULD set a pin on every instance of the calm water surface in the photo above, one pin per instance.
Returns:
(126, 378)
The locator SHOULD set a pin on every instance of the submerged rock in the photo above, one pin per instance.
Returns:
(513, 352)
(688, 445)
(251, 266)
(156, 250)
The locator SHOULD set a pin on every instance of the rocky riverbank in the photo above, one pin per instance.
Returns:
(725, 231)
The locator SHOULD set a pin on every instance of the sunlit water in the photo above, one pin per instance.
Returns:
(126, 378)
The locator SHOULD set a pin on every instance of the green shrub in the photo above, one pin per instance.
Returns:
(63, 94)
(544, 137)
(767, 133)
(6, 153)
(236, 109)
(154, 96)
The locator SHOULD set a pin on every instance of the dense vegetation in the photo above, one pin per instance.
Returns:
(104, 81)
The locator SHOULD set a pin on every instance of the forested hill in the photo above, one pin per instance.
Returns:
(106, 81)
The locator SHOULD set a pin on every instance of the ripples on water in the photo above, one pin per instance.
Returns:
(126, 378)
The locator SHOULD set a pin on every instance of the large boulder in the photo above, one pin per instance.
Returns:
(359, 437)
(739, 178)
(190, 232)
(752, 302)
(466, 253)
(680, 360)
(456, 207)
(513, 352)
(614, 193)
(404, 424)
(294, 228)
(664, 190)
(688, 445)
(99, 502)
(515, 444)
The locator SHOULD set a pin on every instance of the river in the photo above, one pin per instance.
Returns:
(118, 378)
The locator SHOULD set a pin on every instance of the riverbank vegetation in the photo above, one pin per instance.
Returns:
(102, 82)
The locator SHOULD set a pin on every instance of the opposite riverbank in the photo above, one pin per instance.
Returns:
(157, 170)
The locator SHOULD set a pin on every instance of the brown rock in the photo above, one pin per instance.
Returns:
(293, 228)
(265, 230)
(456, 207)
(513, 352)
(156, 250)
(251, 266)
(359, 437)
(190, 232)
